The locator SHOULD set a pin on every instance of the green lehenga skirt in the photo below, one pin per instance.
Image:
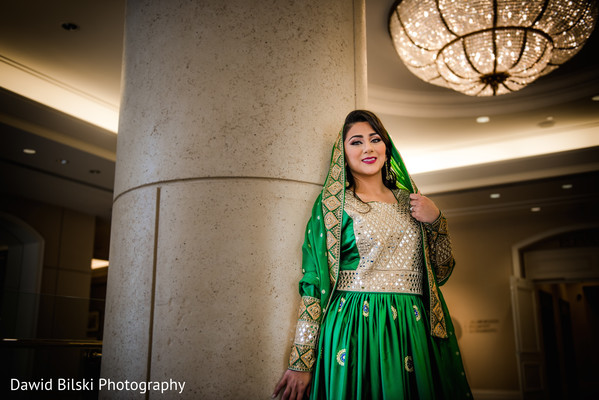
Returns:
(378, 346)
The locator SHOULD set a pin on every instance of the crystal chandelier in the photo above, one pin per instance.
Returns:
(488, 47)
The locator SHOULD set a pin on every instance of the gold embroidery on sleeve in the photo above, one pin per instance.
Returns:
(303, 350)
(441, 255)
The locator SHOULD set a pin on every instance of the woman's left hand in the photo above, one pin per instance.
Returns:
(423, 209)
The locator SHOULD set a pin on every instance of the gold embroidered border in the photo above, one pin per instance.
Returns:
(302, 358)
(437, 317)
(332, 208)
(310, 309)
(303, 350)
(306, 333)
(402, 281)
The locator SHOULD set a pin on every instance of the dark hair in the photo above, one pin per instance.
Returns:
(389, 180)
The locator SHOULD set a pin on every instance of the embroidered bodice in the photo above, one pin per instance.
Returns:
(390, 247)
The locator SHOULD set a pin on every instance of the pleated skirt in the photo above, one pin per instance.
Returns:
(378, 346)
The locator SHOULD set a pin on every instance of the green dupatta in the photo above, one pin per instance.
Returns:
(321, 257)
(329, 218)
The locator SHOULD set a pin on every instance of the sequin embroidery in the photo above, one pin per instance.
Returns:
(417, 313)
(341, 303)
(303, 350)
(365, 309)
(389, 244)
(341, 357)
(409, 364)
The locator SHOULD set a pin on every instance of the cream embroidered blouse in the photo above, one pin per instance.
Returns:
(389, 244)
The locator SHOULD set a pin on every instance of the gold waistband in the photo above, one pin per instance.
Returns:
(402, 281)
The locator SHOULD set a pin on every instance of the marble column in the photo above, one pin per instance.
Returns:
(228, 116)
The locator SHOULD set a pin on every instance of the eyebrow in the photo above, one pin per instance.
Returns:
(361, 136)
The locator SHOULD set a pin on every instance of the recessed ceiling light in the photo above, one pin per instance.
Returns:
(483, 119)
(595, 98)
(29, 151)
(535, 209)
(495, 195)
(63, 161)
(547, 123)
(567, 186)
(69, 26)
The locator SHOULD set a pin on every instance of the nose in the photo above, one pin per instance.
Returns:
(368, 147)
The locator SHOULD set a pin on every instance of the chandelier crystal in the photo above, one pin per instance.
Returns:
(488, 47)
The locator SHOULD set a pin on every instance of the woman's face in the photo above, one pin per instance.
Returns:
(364, 150)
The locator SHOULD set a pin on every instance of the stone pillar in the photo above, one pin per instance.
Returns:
(229, 113)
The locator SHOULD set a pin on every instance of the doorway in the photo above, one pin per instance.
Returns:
(562, 272)
(569, 316)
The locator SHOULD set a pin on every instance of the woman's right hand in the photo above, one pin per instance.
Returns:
(296, 384)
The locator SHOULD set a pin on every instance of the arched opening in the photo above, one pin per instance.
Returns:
(22, 250)
(21, 263)
(555, 294)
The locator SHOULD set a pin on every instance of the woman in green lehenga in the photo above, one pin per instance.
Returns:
(372, 321)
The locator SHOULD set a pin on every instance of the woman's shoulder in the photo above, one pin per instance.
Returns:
(401, 194)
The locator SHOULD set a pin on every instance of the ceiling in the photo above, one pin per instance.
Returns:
(537, 139)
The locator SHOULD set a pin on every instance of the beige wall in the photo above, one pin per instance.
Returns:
(229, 113)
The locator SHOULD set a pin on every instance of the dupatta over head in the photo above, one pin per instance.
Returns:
(328, 219)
